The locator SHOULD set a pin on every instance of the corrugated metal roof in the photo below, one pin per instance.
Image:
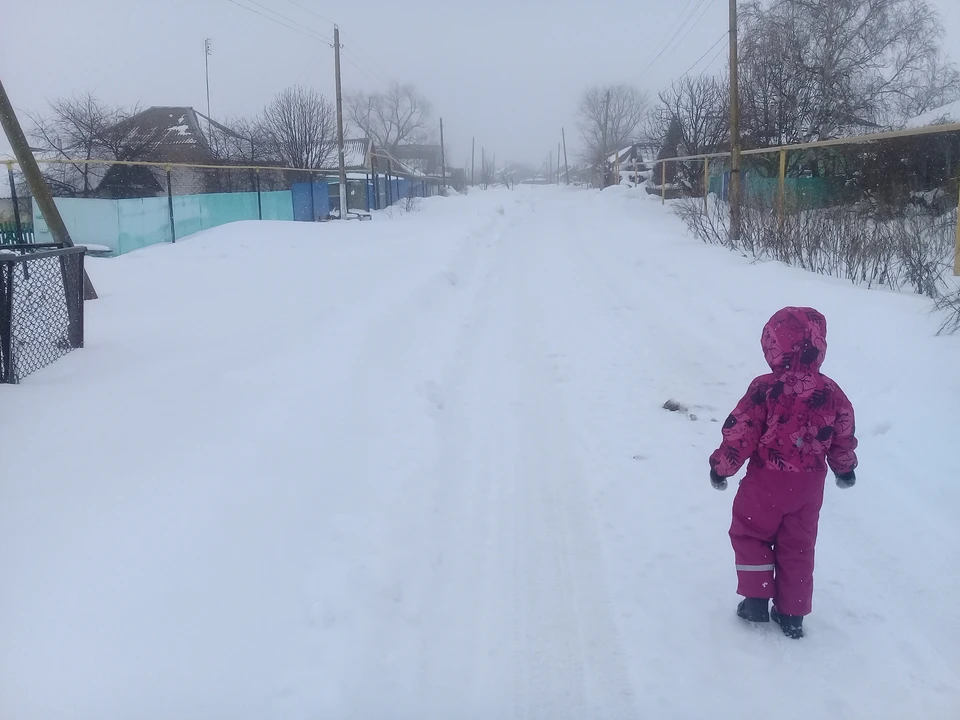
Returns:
(355, 153)
(167, 134)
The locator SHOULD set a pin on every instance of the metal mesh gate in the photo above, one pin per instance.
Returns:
(41, 307)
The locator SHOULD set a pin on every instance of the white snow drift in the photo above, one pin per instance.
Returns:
(418, 468)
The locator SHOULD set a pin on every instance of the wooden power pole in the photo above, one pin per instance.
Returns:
(343, 169)
(38, 186)
(443, 161)
(734, 189)
(566, 167)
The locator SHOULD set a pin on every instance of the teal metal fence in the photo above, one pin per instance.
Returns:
(130, 224)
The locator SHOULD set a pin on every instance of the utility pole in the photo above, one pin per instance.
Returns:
(473, 160)
(550, 167)
(734, 129)
(566, 167)
(38, 186)
(207, 51)
(443, 159)
(343, 169)
(603, 149)
(558, 163)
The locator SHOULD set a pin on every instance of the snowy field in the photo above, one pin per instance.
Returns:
(418, 468)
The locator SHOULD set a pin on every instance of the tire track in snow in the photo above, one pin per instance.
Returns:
(521, 588)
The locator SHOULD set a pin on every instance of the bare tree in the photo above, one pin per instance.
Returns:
(815, 69)
(701, 108)
(239, 140)
(82, 127)
(609, 118)
(488, 172)
(399, 116)
(299, 129)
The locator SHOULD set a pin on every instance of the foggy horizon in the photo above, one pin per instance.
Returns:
(509, 75)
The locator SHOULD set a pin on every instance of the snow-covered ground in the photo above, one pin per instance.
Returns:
(418, 468)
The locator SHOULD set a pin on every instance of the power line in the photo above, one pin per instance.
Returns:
(368, 75)
(709, 50)
(673, 37)
(368, 58)
(312, 12)
(289, 20)
(695, 22)
(380, 78)
(663, 39)
(295, 27)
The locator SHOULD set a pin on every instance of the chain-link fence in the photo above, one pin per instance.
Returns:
(880, 212)
(41, 307)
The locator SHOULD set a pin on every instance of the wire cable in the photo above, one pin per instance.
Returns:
(663, 38)
(672, 38)
(312, 12)
(709, 50)
(295, 27)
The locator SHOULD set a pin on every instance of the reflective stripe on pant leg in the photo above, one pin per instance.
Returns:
(752, 532)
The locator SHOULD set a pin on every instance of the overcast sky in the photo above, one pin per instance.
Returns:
(506, 71)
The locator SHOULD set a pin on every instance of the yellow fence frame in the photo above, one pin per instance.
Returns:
(833, 142)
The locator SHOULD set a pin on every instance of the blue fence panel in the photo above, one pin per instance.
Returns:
(310, 206)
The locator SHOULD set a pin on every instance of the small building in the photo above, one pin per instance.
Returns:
(633, 163)
(172, 135)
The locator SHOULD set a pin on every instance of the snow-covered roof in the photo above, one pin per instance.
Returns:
(355, 153)
(620, 154)
(166, 134)
(947, 113)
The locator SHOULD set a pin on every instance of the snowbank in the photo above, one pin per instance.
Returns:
(418, 467)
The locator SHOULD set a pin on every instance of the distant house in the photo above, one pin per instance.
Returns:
(634, 162)
(161, 134)
(421, 159)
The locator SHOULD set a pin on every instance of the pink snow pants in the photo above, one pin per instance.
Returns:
(774, 531)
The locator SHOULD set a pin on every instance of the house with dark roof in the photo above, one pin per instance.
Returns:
(163, 134)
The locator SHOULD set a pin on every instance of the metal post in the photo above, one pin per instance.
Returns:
(6, 322)
(173, 227)
(343, 171)
(38, 186)
(259, 202)
(782, 200)
(566, 167)
(389, 189)
(956, 256)
(313, 200)
(663, 182)
(16, 202)
(706, 185)
(443, 161)
(206, 63)
(734, 130)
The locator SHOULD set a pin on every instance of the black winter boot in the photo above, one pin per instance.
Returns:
(754, 609)
(792, 625)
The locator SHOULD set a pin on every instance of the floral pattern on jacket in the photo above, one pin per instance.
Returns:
(794, 418)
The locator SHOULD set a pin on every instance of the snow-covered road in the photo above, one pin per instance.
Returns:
(418, 468)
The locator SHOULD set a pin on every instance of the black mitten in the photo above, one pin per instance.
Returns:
(847, 480)
(718, 481)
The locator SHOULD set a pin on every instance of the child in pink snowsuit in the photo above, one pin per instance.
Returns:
(790, 425)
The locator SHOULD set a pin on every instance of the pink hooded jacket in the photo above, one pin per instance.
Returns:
(793, 418)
